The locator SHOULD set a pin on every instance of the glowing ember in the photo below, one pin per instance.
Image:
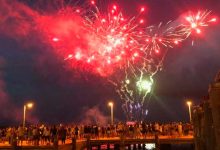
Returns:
(55, 39)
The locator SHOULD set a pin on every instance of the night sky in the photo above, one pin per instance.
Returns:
(29, 70)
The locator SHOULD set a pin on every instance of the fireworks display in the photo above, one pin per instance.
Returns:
(119, 48)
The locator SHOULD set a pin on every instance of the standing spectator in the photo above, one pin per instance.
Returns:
(180, 129)
(36, 135)
(96, 130)
(20, 135)
(47, 135)
(30, 135)
(144, 130)
(81, 131)
(108, 131)
(63, 132)
(156, 127)
(76, 132)
(1, 136)
(103, 131)
(53, 134)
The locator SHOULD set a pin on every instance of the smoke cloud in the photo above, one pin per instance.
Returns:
(16, 19)
(94, 116)
(8, 109)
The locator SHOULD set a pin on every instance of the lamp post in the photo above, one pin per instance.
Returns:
(189, 103)
(26, 106)
(112, 117)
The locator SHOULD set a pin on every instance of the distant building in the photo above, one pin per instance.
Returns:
(206, 119)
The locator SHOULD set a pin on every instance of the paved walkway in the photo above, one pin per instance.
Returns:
(69, 141)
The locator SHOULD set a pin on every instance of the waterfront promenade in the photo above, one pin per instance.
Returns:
(106, 143)
(117, 136)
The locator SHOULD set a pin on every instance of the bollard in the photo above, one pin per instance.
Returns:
(129, 146)
(108, 146)
(165, 146)
(122, 143)
(73, 143)
(99, 147)
(143, 146)
(134, 147)
(157, 142)
(14, 143)
(117, 147)
(55, 143)
(88, 143)
(139, 146)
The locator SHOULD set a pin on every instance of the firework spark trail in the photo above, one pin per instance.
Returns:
(158, 40)
(119, 47)
(107, 42)
(92, 39)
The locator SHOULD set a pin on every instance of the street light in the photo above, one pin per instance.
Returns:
(26, 106)
(189, 103)
(111, 105)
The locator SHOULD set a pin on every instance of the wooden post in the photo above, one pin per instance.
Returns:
(108, 146)
(139, 146)
(99, 147)
(55, 142)
(143, 146)
(88, 143)
(122, 142)
(73, 143)
(134, 147)
(157, 142)
(129, 146)
(214, 94)
(14, 143)
(117, 146)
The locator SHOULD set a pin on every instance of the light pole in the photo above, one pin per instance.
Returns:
(112, 117)
(28, 105)
(189, 103)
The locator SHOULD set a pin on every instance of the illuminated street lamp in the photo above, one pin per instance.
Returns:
(26, 106)
(189, 103)
(112, 117)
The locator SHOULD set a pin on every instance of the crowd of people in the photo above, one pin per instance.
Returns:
(46, 135)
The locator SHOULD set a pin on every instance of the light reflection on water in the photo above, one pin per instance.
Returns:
(152, 146)
(148, 146)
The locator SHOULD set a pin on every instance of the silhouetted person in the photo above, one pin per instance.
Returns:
(63, 132)
(76, 132)
(53, 133)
